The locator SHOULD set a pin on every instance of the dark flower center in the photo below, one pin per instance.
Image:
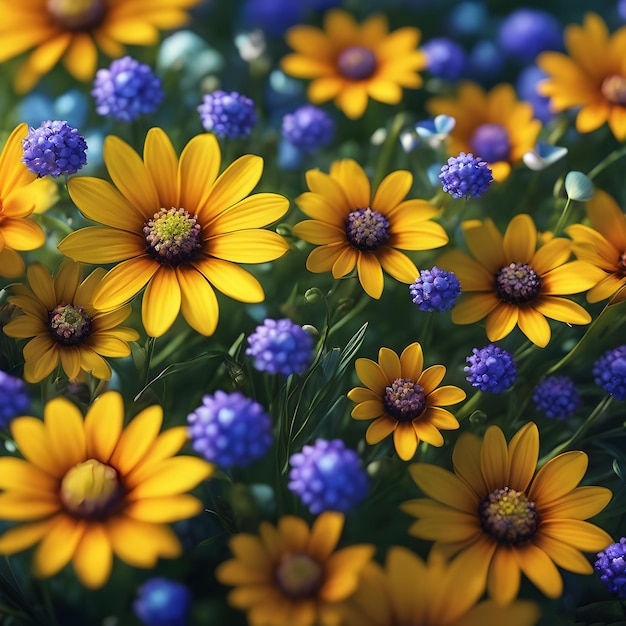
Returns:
(517, 283)
(173, 236)
(77, 15)
(613, 88)
(69, 324)
(367, 229)
(91, 490)
(508, 516)
(622, 262)
(357, 63)
(298, 575)
(404, 400)
(491, 143)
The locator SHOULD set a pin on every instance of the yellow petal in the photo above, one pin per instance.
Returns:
(443, 486)
(248, 246)
(523, 455)
(161, 302)
(124, 282)
(64, 423)
(161, 162)
(379, 429)
(405, 441)
(99, 244)
(534, 325)
(172, 477)
(93, 558)
(33, 442)
(540, 570)
(58, 546)
(325, 534)
(370, 275)
(230, 279)
(371, 375)
(198, 304)
(474, 307)
(103, 425)
(520, 239)
(558, 477)
(165, 509)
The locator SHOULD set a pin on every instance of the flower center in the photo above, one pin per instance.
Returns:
(91, 489)
(517, 283)
(404, 399)
(298, 575)
(508, 516)
(69, 324)
(622, 262)
(77, 15)
(613, 88)
(357, 63)
(491, 143)
(367, 229)
(173, 236)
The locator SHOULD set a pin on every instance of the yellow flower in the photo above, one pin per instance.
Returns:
(290, 575)
(73, 31)
(592, 77)
(411, 591)
(353, 228)
(351, 62)
(512, 282)
(492, 125)
(177, 227)
(403, 398)
(21, 194)
(503, 519)
(88, 489)
(66, 329)
(603, 244)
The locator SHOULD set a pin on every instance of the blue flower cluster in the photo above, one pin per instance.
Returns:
(491, 369)
(308, 128)
(162, 602)
(609, 372)
(465, 176)
(229, 115)
(435, 290)
(556, 397)
(611, 566)
(14, 398)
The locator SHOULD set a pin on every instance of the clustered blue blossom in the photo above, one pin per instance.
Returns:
(14, 398)
(609, 372)
(228, 115)
(126, 90)
(491, 369)
(230, 429)
(162, 602)
(308, 128)
(435, 290)
(280, 346)
(556, 397)
(328, 476)
(53, 149)
(611, 566)
(466, 176)
(445, 58)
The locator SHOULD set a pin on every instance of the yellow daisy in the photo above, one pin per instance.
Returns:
(511, 282)
(72, 31)
(493, 125)
(351, 62)
(603, 244)
(592, 77)
(290, 575)
(391, 597)
(503, 519)
(64, 326)
(88, 489)
(177, 227)
(21, 194)
(405, 399)
(354, 229)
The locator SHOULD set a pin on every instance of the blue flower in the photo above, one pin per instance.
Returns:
(611, 566)
(491, 369)
(229, 115)
(435, 290)
(609, 372)
(466, 176)
(308, 128)
(14, 398)
(162, 602)
(543, 156)
(526, 32)
(328, 476)
(230, 430)
(445, 58)
(556, 397)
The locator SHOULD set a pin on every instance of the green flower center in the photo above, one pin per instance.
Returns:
(508, 516)
(77, 15)
(517, 283)
(613, 88)
(91, 489)
(367, 229)
(173, 236)
(298, 575)
(357, 63)
(69, 324)
(404, 400)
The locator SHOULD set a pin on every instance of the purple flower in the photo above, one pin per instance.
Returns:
(229, 115)
(556, 397)
(445, 58)
(162, 602)
(609, 372)
(611, 566)
(14, 398)
(465, 176)
(435, 290)
(491, 369)
(526, 32)
(308, 128)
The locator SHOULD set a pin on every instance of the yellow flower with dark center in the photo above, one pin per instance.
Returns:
(592, 77)
(504, 518)
(393, 597)
(73, 31)
(177, 228)
(21, 194)
(354, 229)
(405, 399)
(64, 326)
(492, 125)
(290, 575)
(89, 488)
(511, 282)
(351, 62)
(603, 244)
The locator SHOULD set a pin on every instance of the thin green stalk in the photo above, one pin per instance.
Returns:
(609, 160)
(563, 218)
(388, 147)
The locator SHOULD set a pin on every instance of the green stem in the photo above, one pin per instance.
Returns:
(610, 159)
(562, 219)
(388, 147)
(149, 354)
(470, 406)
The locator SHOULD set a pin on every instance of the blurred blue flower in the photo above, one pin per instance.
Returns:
(14, 398)
(611, 566)
(485, 62)
(273, 17)
(543, 156)
(526, 86)
(308, 128)
(468, 19)
(556, 397)
(162, 602)
(526, 32)
(445, 58)
(230, 115)
(609, 372)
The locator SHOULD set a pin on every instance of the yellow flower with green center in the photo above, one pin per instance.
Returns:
(176, 227)
(504, 518)
(90, 488)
